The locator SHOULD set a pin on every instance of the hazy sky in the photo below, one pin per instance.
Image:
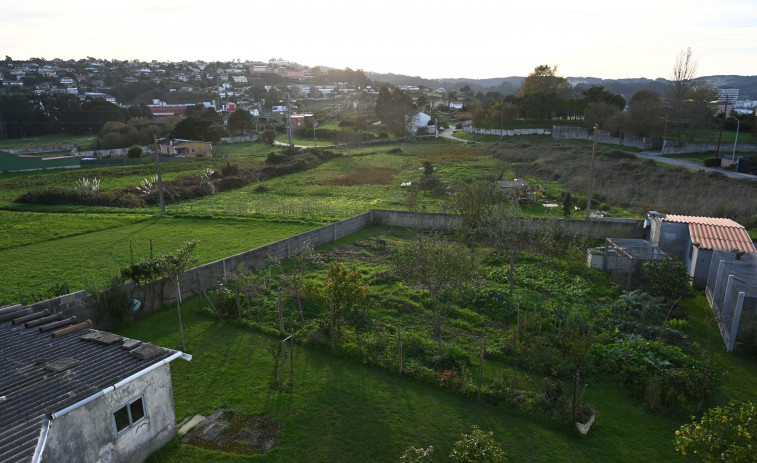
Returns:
(435, 38)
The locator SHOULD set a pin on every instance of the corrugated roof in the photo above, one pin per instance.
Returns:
(40, 375)
(716, 233)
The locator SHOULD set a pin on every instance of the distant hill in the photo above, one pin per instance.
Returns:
(747, 85)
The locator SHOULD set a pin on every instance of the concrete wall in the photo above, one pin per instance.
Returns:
(158, 293)
(42, 149)
(560, 132)
(88, 433)
(506, 132)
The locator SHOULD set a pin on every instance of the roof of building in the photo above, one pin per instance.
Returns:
(715, 233)
(41, 375)
(178, 142)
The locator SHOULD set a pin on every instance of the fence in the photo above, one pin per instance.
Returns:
(158, 293)
(732, 294)
(623, 258)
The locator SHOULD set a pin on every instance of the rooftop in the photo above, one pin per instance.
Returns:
(43, 371)
(715, 233)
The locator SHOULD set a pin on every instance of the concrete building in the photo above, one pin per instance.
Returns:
(71, 393)
(186, 148)
(693, 239)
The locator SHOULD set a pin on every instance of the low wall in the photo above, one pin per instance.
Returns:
(159, 293)
(506, 132)
(562, 132)
(42, 149)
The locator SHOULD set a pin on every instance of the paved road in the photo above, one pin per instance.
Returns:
(657, 156)
(450, 133)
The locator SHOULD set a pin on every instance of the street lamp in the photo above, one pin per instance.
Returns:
(738, 124)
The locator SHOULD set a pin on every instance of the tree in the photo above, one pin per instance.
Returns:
(342, 290)
(478, 447)
(684, 70)
(645, 116)
(395, 109)
(724, 434)
(440, 266)
(544, 79)
(173, 266)
(240, 121)
(134, 152)
(303, 260)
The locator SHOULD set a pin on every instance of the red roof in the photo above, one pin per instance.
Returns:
(168, 110)
(716, 233)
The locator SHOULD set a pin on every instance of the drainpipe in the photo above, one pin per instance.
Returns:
(56, 415)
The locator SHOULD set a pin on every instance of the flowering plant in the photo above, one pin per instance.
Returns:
(417, 455)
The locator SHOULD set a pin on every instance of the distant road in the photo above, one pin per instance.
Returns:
(657, 156)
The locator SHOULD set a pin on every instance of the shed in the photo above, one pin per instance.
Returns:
(693, 239)
(72, 393)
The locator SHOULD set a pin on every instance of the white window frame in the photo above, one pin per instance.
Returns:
(127, 406)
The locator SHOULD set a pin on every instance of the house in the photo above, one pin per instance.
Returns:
(693, 239)
(185, 148)
(417, 122)
(72, 393)
(457, 104)
(297, 121)
(161, 110)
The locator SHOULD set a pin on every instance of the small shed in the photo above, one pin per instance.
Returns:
(622, 259)
(72, 393)
(693, 239)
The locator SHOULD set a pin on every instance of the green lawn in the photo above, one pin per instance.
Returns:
(91, 256)
(338, 410)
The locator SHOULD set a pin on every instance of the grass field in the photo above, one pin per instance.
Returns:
(342, 411)
(91, 256)
(337, 409)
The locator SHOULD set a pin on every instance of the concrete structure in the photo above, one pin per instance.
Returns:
(186, 148)
(692, 240)
(24, 162)
(71, 393)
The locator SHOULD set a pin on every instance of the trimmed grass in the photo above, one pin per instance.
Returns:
(92, 256)
(338, 410)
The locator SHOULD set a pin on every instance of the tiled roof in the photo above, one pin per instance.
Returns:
(716, 233)
(40, 375)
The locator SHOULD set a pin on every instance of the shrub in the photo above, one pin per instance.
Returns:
(417, 455)
(276, 158)
(711, 162)
(668, 278)
(477, 447)
(723, 434)
(134, 152)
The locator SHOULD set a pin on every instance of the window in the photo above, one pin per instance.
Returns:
(129, 415)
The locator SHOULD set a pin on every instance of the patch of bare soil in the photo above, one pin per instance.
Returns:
(235, 433)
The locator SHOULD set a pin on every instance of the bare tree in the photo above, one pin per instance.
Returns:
(439, 265)
(684, 71)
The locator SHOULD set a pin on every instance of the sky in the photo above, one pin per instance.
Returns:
(432, 39)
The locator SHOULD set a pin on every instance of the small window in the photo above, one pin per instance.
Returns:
(129, 415)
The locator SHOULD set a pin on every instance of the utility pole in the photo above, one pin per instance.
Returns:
(160, 179)
(591, 172)
(289, 124)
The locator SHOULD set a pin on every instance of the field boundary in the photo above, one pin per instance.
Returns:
(159, 293)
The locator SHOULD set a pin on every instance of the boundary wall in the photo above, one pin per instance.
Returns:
(158, 293)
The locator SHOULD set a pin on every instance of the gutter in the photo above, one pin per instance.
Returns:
(56, 415)
(41, 441)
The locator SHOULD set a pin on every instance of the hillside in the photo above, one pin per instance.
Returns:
(626, 87)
